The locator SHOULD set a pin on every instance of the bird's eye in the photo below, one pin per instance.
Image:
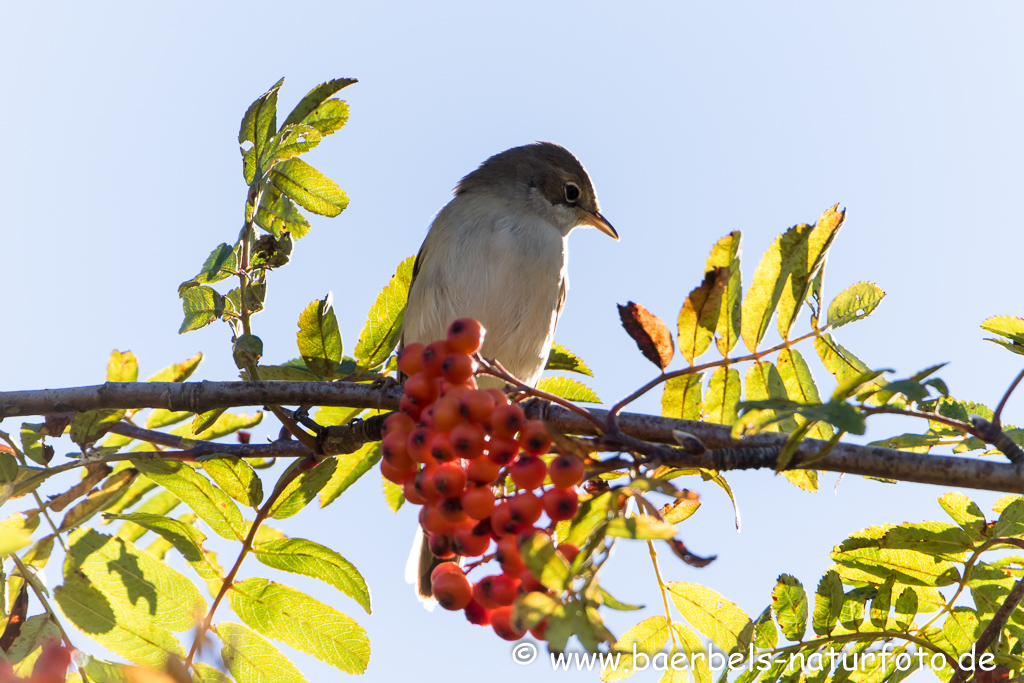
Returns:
(572, 192)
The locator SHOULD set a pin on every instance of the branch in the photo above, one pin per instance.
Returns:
(994, 627)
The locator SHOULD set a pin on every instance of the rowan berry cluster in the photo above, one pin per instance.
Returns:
(474, 462)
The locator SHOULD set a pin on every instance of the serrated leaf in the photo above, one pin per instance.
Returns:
(278, 215)
(681, 398)
(350, 467)
(647, 638)
(164, 418)
(854, 303)
(828, 603)
(135, 581)
(113, 625)
(208, 502)
(309, 188)
(532, 608)
(789, 602)
(1006, 326)
(722, 397)
(204, 673)
(965, 512)
(563, 360)
(721, 620)
(300, 556)
(592, 515)
(293, 371)
(649, 332)
(383, 328)
(645, 528)
(221, 264)
(224, 424)
(763, 382)
(301, 622)
(806, 261)
(251, 659)
(178, 372)
(766, 635)
(302, 490)
(236, 478)
(800, 386)
(881, 603)
(202, 305)
(319, 338)
(726, 255)
(544, 562)
(568, 388)
(258, 126)
(183, 537)
(91, 425)
(394, 495)
(122, 367)
(868, 554)
(161, 503)
(698, 318)
(291, 141)
(108, 494)
(311, 108)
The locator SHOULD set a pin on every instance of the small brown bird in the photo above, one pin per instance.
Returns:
(498, 252)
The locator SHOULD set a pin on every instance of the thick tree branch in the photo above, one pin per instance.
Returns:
(723, 452)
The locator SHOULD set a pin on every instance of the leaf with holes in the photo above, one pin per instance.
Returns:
(854, 303)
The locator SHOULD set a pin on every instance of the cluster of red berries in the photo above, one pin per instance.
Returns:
(473, 461)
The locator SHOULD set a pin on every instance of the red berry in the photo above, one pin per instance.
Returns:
(476, 405)
(410, 359)
(565, 470)
(410, 408)
(528, 473)
(568, 551)
(560, 504)
(420, 389)
(449, 479)
(501, 622)
(540, 630)
(482, 592)
(418, 445)
(452, 590)
(507, 420)
(501, 520)
(482, 471)
(525, 508)
(466, 335)
(508, 555)
(397, 422)
(534, 438)
(467, 440)
(457, 368)
(451, 510)
(478, 502)
(502, 451)
(424, 482)
(504, 589)
(394, 451)
(529, 582)
(394, 474)
(478, 614)
(445, 567)
(433, 356)
(500, 399)
(446, 413)
(441, 448)
(410, 492)
(468, 542)
(440, 546)
(432, 521)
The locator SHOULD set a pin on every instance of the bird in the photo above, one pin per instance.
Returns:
(498, 252)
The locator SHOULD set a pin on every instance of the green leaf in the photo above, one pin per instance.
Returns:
(647, 638)
(789, 601)
(966, 513)
(301, 622)
(724, 623)
(291, 141)
(221, 264)
(135, 581)
(224, 424)
(300, 556)
(202, 306)
(160, 503)
(183, 537)
(698, 318)
(722, 396)
(872, 558)
(99, 499)
(293, 371)
(317, 107)
(16, 532)
(122, 367)
(544, 562)
(178, 372)
(593, 514)
(208, 502)
(350, 467)
(568, 388)
(681, 398)
(1006, 326)
(726, 255)
(114, 624)
(961, 629)
(258, 126)
(827, 603)
(278, 215)
(805, 257)
(609, 601)
(24, 651)
(881, 603)
(394, 495)
(309, 188)
(854, 303)
(564, 360)
(800, 386)
(763, 382)
(645, 528)
(383, 328)
(532, 608)
(906, 608)
(91, 425)
(302, 490)
(251, 659)
(204, 673)
(236, 478)
(766, 636)
(164, 418)
(319, 338)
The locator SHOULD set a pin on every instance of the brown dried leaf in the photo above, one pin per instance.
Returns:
(649, 332)
(57, 423)
(19, 610)
(95, 473)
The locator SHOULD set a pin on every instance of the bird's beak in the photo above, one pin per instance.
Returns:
(595, 219)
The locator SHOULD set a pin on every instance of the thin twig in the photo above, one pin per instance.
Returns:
(997, 417)
(991, 632)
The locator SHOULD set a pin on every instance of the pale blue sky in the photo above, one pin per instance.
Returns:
(121, 173)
